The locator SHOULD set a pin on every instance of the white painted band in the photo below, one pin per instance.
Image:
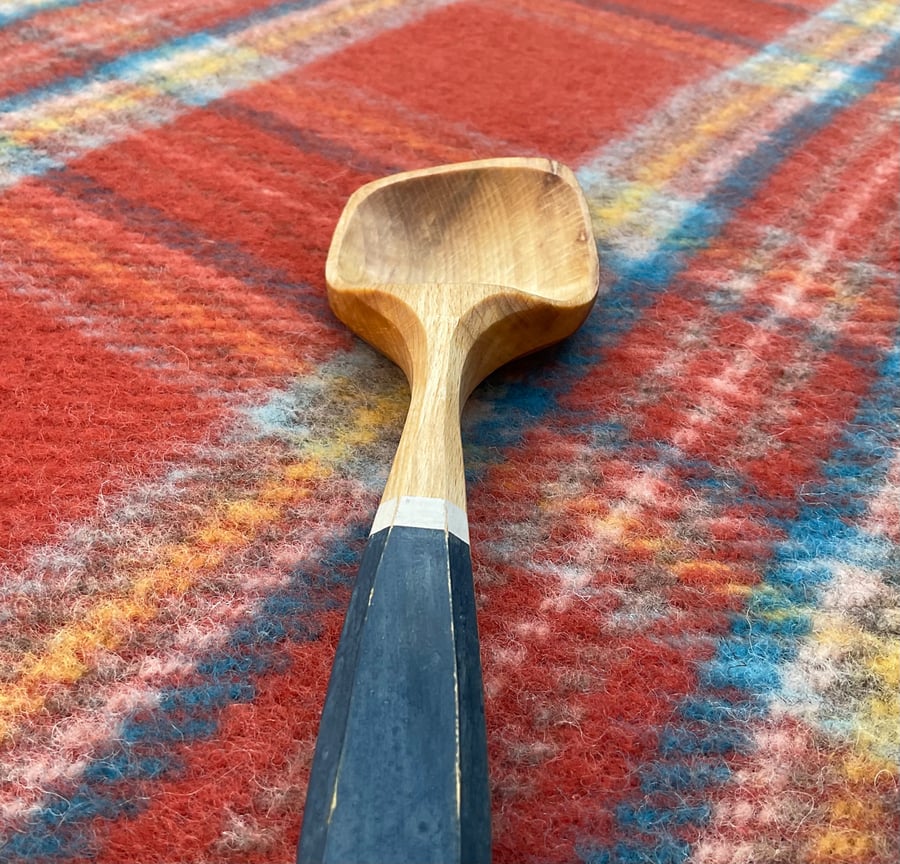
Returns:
(415, 512)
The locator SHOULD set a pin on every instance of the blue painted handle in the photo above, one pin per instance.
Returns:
(400, 769)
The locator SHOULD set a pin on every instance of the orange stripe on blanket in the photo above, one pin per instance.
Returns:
(236, 183)
(94, 276)
(71, 651)
(217, 322)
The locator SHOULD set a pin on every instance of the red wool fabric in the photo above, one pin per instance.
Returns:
(684, 519)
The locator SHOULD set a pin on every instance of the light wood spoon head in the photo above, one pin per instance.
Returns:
(503, 246)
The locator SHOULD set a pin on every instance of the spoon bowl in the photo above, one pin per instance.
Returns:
(508, 237)
(451, 272)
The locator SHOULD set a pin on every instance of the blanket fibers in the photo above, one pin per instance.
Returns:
(685, 520)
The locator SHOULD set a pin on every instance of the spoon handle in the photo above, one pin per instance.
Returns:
(400, 769)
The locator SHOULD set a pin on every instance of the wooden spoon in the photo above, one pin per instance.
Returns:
(450, 272)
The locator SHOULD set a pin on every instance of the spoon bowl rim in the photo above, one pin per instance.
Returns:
(575, 293)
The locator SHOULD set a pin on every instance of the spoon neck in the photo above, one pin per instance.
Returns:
(429, 458)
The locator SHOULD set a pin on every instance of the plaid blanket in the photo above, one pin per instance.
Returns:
(685, 520)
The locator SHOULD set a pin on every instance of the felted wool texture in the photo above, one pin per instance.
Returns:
(685, 519)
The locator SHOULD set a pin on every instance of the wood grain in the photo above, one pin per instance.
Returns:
(452, 272)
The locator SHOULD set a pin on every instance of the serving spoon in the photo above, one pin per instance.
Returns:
(451, 272)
